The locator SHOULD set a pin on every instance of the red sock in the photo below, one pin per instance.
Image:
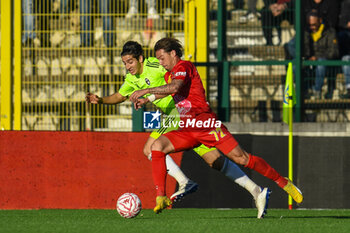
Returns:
(260, 165)
(159, 171)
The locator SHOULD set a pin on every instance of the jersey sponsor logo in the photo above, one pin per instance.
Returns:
(147, 81)
(180, 74)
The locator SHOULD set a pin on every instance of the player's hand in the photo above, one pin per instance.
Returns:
(92, 98)
(140, 102)
(137, 94)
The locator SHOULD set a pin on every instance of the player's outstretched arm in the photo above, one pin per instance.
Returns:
(115, 98)
(171, 88)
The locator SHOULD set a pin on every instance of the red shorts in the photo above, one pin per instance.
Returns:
(220, 138)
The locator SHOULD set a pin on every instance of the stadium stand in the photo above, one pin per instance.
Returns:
(55, 78)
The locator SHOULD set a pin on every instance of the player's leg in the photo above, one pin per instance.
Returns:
(218, 162)
(185, 184)
(160, 148)
(214, 159)
(172, 168)
(258, 164)
(222, 139)
(167, 143)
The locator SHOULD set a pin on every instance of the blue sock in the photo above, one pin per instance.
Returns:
(231, 170)
(235, 173)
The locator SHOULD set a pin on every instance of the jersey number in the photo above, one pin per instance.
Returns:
(218, 133)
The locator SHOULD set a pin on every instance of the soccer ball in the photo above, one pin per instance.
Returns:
(129, 205)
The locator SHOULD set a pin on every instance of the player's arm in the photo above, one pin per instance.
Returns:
(115, 98)
(151, 98)
(159, 92)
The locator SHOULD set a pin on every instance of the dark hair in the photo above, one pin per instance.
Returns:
(169, 44)
(132, 48)
(313, 13)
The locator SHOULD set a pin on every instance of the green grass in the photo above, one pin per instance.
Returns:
(175, 220)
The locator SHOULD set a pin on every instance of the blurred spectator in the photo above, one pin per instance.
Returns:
(273, 13)
(327, 9)
(151, 12)
(320, 43)
(29, 38)
(344, 43)
(86, 21)
(252, 14)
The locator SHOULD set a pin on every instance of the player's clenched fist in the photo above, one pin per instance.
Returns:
(140, 102)
(92, 98)
(137, 94)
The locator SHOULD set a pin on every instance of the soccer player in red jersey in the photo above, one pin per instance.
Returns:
(200, 124)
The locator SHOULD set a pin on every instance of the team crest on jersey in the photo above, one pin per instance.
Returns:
(147, 81)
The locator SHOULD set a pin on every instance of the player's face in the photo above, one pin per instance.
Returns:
(167, 60)
(132, 65)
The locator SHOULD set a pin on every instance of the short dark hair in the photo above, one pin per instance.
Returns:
(313, 13)
(132, 48)
(169, 44)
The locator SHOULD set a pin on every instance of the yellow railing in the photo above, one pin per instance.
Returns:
(17, 68)
(197, 34)
(66, 50)
(6, 59)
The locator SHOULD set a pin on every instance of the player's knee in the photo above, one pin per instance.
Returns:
(239, 156)
(241, 161)
(243, 157)
(218, 163)
(157, 145)
(146, 150)
(162, 144)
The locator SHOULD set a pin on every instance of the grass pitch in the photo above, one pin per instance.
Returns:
(175, 220)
